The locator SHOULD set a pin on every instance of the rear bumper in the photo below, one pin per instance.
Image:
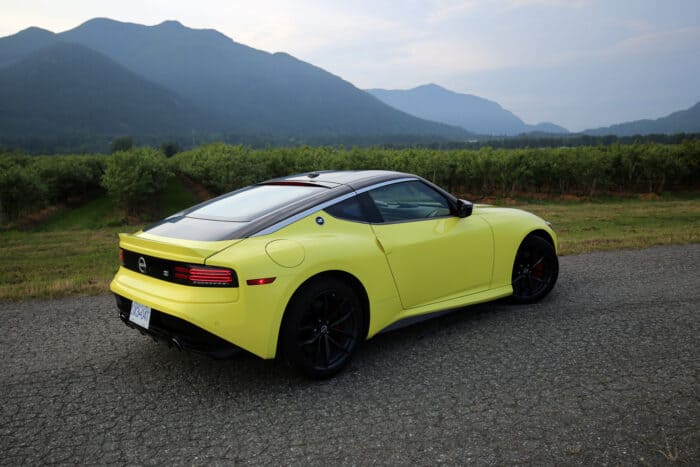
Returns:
(178, 333)
(246, 316)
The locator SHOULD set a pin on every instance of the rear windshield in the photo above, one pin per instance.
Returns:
(250, 203)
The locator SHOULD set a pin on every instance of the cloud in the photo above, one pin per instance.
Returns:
(550, 3)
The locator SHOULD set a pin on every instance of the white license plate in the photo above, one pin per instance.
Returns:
(140, 314)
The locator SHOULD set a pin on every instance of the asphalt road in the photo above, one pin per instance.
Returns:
(603, 371)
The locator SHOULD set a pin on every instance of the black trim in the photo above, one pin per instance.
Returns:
(164, 269)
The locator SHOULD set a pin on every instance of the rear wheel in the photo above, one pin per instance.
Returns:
(322, 327)
(535, 270)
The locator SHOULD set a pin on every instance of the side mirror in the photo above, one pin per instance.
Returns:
(464, 208)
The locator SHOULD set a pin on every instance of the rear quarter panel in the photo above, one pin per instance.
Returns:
(336, 245)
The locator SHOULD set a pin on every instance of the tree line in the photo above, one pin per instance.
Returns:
(136, 175)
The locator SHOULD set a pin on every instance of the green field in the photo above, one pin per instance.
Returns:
(74, 251)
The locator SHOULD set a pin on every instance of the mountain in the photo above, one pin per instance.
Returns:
(473, 113)
(69, 89)
(683, 121)
(169, 78)
(18, 46)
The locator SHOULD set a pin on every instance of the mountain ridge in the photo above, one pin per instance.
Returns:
(251, 87)
(680, 121)
(473, 113)
(68, 88)
(256, 95)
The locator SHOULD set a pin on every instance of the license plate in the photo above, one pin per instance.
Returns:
(140, 314)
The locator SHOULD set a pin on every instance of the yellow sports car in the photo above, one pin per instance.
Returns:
(307, 266)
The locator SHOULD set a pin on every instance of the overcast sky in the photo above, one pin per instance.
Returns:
(577, 63)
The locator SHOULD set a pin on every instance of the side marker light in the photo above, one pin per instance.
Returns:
(263, 281)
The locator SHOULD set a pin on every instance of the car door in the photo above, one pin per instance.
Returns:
(433, 254)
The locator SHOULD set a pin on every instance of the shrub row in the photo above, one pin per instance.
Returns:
(135, 177)
(631, 168)
(29, 183)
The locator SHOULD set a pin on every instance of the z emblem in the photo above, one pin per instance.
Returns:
(142, 265)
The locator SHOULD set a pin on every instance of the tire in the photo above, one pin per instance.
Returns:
(322, 327)
(535, 270)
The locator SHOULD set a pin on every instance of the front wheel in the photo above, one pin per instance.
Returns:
(322, 327)
(535, 270)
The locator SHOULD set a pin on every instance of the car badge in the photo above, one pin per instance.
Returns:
(142, 264)
(319, 220)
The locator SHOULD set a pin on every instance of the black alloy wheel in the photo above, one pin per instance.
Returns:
(322, 327)
(535, 270)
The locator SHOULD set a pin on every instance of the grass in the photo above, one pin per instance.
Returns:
(74, 252)
(621, 224)
(57, 263)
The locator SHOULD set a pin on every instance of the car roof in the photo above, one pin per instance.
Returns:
(355, 179)
(338, 184)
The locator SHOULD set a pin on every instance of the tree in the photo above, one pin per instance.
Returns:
(136, 179)
(122, 144)
(169, 149)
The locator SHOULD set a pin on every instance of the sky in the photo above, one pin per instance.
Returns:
(578, 63)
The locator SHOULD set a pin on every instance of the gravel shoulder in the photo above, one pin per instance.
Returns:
(603, 371)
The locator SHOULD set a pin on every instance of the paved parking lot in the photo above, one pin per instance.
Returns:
(605, 370)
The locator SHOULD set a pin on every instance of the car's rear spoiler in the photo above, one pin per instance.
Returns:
(185, 251)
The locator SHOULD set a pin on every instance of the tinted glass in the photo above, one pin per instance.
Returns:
(251, 203)
(409, 201)
(350, 210)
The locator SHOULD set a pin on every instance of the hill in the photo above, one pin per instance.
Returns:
(232, 91)
(473, 113)
(256, 92)
(69, 89)
(683, 121)
(20, 45)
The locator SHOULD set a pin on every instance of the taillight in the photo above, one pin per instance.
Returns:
(121, 256)
(198, 275)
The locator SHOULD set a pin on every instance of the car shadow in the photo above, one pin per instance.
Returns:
(376, 359)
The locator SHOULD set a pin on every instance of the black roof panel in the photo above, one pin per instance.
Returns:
(355, 179)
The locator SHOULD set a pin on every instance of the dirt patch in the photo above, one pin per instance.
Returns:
(29, 221)
(200, 192)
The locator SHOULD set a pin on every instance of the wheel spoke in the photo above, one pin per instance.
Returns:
(327, 346)
(337, 344)
(310, 341)
(530, 284)
(342, 319)
(519, 278)
(538, 262)
(326, 306)
(342, 332)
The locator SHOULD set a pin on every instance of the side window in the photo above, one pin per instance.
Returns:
(349, 210)
(406, 201)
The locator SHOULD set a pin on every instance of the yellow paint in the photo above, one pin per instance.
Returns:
(286, 253)
(407, 269)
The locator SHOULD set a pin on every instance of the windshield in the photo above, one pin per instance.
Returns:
(250, 203)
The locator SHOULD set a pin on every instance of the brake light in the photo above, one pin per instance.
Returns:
(121, 256)
(262, 281)
(198, 275)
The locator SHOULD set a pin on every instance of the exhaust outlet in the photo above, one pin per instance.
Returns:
(176, 342)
